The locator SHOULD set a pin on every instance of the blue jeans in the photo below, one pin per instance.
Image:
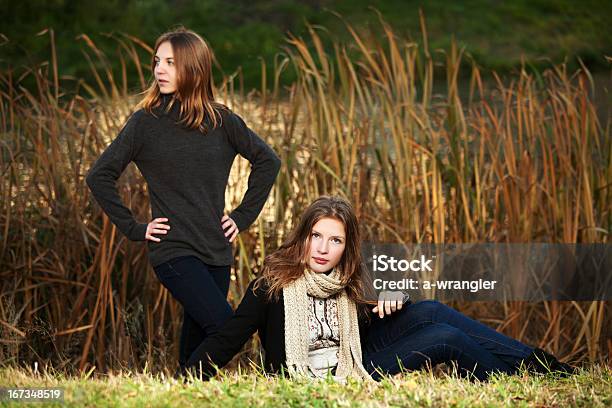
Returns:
(428, 333)
(202, 291)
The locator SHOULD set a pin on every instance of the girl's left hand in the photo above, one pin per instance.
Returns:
(230, 225)
(394, 303)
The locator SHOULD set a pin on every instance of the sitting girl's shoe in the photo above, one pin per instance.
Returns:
(542, 362)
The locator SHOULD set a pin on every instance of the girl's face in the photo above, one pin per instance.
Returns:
(165, 70)
(327, 242)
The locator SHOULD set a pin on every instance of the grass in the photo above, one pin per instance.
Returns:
(590, 388)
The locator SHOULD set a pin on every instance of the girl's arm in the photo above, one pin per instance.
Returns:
(103, 175)
(218, 349)
(265, 166)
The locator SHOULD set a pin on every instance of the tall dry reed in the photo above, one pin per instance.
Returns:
(518, 160)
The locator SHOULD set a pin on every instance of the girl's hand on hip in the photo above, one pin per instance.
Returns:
(156, 227)
(230, 228)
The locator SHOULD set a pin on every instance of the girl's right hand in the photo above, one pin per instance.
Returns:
(156, 227)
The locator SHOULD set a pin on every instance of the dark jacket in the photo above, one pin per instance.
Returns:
(254, 314)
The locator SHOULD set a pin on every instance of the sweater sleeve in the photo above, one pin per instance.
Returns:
(103, 175)
(265, 165)
(219, 348)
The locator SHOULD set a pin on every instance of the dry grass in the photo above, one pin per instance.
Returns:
(524, 160)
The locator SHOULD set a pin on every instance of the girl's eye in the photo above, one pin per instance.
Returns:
(337, 241)
(170, 63)
(315, 234)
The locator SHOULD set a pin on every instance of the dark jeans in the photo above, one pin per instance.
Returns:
(429, 333)
(202, 291)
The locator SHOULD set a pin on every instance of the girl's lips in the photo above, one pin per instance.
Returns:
(320, 261)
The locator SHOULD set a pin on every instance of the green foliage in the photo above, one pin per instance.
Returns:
(496, 34)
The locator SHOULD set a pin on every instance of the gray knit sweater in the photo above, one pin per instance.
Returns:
(186, 172)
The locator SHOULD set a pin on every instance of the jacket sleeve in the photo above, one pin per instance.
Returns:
(219, 348)
(102, 178)
(265, 165)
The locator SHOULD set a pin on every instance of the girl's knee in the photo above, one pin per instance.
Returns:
(430, 303)
(449, 334)
(428, 308)
(448, 339)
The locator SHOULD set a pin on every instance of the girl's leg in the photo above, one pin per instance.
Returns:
(430, 345)
(202, 291)
(507, 349)
(192, 334)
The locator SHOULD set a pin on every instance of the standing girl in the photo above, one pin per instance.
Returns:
(184, 143)
(311, 311)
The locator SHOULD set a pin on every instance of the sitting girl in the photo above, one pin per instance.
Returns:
(310, 307)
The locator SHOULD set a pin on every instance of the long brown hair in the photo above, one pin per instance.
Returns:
(194, 82)
(288, 262)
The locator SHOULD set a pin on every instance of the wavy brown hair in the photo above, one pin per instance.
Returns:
(288, 262)
(194, 81)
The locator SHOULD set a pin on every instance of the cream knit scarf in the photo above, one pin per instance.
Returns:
(296, 325)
